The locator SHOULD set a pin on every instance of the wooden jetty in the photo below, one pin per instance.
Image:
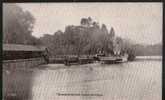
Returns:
(78, 60)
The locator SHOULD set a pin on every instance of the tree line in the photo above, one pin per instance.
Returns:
(148, 50)
(88, 38)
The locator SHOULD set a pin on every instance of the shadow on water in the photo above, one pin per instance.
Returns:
(17, 84)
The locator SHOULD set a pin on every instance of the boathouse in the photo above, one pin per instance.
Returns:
(16, 55)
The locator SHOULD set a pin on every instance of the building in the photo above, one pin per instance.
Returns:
(17, 51)
(16, 55)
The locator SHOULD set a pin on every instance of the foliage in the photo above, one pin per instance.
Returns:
(88, 38)
(17, 25)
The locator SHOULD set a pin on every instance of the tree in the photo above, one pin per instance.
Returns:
(84, 22)
(127, 47)
(87, 22)
(79, 40)
(112, 32)
(17, 25)
(104, 29)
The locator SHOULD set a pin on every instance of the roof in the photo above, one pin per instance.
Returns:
(18, 47)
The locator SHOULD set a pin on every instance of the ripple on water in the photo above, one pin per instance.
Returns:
(128, 81)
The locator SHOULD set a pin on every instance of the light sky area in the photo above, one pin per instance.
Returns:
(139, 22)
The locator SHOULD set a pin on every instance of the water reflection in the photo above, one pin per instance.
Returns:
(138, 80)
(17, 84)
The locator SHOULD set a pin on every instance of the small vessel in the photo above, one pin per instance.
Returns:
(114, 59)
(121, 59)
(107, 60)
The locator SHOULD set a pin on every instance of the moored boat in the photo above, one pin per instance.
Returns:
(113, 59)
(122, 59)
(107, 60)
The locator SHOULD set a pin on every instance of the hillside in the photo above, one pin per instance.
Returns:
(148, 50)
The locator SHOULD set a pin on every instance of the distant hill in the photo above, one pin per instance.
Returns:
(148, 50)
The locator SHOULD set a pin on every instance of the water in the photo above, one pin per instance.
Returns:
(138, 80)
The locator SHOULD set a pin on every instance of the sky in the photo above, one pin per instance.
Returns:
(139, 22)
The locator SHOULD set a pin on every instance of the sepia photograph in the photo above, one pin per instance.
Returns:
(82, 51)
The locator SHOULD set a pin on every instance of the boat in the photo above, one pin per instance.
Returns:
(107, 60)
(114, 59)
(122, 59)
